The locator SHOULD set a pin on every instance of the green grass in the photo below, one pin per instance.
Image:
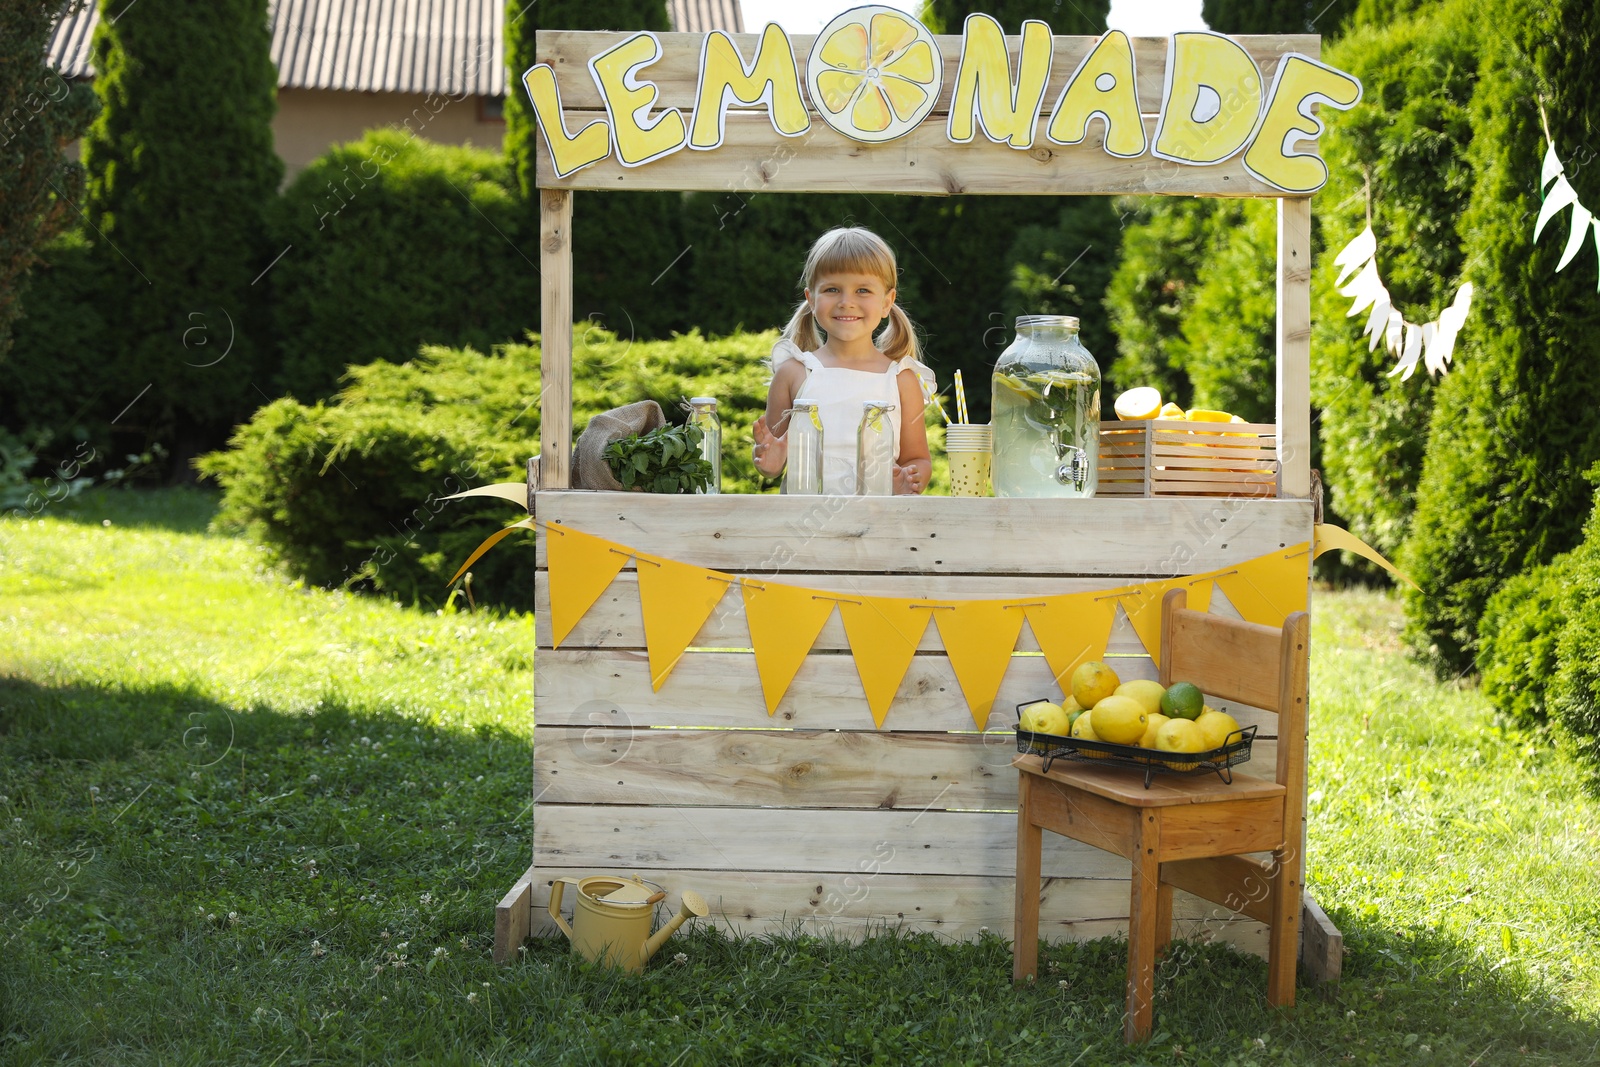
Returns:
(243, 821)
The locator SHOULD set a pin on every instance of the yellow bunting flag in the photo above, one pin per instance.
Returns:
(516, 492)
(1331, 538)
(488, 543)
(1268, 588)
(581, 566)
(884, 633)
(1071, 629)
(980, 636)
(676, 599)
(1144, 608)
(784, 623)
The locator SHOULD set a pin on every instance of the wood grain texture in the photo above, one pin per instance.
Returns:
(721, 689)
(676, 74)
(555, 325)
(774, 535)
(797, 839)
(513, 918)
(786, 768)
(859, 904)
(1294, 346)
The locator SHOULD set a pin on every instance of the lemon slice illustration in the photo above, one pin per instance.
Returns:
(874, 73)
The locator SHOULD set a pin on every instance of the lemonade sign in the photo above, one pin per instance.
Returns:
(874, 74)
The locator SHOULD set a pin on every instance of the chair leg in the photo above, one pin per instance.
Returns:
(1143, 908)
(1163, 917)
(1025, 910)
(1284, 937)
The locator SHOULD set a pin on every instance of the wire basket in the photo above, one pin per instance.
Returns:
(1218, 761)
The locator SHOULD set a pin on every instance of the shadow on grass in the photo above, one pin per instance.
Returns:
(193, 882)
(184, 509)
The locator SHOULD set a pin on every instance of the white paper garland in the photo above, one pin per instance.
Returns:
(1558, 196)
(1433, 343)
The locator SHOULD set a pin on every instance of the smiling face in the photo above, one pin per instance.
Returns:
(850, 307)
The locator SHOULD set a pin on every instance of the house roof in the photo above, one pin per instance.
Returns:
(398, 46)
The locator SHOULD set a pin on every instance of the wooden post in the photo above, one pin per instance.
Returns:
(1294, 347)
(513, 918)
(555, 329)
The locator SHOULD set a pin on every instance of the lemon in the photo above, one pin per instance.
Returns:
(1119, 719)
(1171, 412)
(1092, 682)
(1143, 402)
(874, 73)
(1083, 730)
(1181, 735)
(1152, 727)
(1216, 726)
(1045, 718)
(1208, 415)
(1182, 700)
(1145, 691)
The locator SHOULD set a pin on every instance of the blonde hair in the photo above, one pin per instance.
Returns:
(853, 250)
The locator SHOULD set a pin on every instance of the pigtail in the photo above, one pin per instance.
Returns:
(899, 338)
(802, 328)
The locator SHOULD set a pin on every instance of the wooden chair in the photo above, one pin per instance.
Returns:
(1187, 832)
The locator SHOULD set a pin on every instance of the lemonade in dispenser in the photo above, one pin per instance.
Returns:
(1045, 409)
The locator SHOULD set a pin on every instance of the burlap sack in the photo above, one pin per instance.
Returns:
(589, 467)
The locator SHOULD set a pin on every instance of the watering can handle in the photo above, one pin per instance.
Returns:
(557, 888)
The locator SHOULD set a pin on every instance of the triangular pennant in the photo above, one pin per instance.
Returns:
(675, 599)
(1580, 229)
(784, 623)
(516, 492)
(1072, 628)
(1144, 608)
(581, 566)
(1561, 194)
(1362, 248)
(488, 543)
(884, 633)
(1266, 589)
(980, 636)
(1332, 538)
(1551, 168)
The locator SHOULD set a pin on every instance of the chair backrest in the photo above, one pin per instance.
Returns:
(1244, 661)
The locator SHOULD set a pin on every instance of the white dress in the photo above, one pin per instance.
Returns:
(839, 393)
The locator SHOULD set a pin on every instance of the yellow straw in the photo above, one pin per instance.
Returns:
(961, 400)
(938, 403)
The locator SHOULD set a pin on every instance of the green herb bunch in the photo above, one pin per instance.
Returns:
(665, 460)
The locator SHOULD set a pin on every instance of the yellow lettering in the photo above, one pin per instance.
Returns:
(1103, 86)
(567, 154)
(1211, 99)
(771, 78)
(1301, 82)
(1006, 110)
(638, 138)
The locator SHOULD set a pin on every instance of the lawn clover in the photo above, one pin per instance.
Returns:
(472, 998)
(426, 899)
(682, 957)
(441, 951)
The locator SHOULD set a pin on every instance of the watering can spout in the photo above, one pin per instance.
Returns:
(693, 905)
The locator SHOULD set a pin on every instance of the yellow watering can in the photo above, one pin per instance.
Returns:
(611, 919)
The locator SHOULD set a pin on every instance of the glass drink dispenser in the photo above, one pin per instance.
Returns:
(1046, 412)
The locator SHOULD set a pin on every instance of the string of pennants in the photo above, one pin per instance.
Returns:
(979, 635)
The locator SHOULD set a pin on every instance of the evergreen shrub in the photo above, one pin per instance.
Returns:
(350, 491)
(397, 242)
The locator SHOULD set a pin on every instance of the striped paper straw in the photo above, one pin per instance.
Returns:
(961, 400)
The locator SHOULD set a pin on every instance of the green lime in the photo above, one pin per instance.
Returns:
(1182, 700)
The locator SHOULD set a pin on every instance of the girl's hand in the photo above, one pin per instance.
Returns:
(771, 453)
(910, 479)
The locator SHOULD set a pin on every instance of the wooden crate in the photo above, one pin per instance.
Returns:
(1161, 457)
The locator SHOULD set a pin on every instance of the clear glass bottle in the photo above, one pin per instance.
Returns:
(803, 475)
(703, 413)
(1045, 407)
(875, 450)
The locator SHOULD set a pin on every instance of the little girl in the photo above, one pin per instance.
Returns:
(828, 354)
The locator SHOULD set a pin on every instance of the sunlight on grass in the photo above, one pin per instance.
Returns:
(249, 822)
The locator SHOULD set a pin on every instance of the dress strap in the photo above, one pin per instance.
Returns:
(786, 350)
(930, 384)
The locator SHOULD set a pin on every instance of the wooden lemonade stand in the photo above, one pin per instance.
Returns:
(811, 818)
